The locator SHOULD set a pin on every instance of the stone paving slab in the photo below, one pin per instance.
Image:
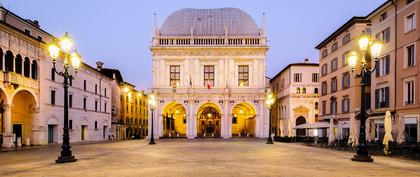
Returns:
(200, 157)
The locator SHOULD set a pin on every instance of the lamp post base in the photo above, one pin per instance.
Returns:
(269, 141)
(152, 142)
(65, 159)
(362, 158)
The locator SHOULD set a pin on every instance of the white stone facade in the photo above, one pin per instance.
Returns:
(297, 90)
(32, 102)
(206, 78)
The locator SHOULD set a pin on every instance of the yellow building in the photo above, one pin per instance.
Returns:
(133, 112)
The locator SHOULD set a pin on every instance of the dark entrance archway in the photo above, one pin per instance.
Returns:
(209, 121)
(299, 121)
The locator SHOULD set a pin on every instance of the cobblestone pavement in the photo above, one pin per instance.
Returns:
(201, 157)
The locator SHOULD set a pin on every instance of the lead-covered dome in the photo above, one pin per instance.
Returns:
(209, 22)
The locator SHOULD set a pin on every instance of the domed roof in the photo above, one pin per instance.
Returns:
(209, 22)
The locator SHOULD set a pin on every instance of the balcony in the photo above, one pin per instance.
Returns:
(18, 79)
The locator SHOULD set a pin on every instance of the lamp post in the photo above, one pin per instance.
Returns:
(152, 103)
(269, 103)
(73, 58)
(369, 49)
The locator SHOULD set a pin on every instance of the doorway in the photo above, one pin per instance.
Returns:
(17, 131)
(84, 132)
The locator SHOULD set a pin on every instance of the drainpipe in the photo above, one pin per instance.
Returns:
(395, 54)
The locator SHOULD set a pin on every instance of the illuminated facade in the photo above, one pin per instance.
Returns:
(209, 75)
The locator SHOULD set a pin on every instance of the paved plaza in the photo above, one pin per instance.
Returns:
(201, 157)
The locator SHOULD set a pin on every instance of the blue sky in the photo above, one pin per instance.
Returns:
(119, 32)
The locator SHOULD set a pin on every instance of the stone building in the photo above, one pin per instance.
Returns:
(209, 75)
(296, 88)
(133, 112)
(31, 95)
(340, 92)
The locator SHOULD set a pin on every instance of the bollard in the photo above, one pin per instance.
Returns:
(19, 141)
(177, 135)
(28, 142)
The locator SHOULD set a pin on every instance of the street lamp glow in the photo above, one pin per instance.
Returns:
(66, 43)
(364, 42)
(75, 60)
(270, 100)
(375, 49)
(54, 52)
(152, 101)
(352, 59)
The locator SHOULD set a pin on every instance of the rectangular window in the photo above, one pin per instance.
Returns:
(84, 103)
(344, 59)
(70, 124)
(243, 74)
(333, 106)
(96, 89)
(105, 92)
(324, 53)
(382, 97)
(71, 81)
(333, 84)
(324, 107)
(383, 66)
(384, 36)
(410, 22)
(346, 39)
(105, 107)
(409, 92)
(84, 85)
(410, 55)
(297, 77)
(334, 64)
(96, 125)
(53, 97)
(346, 80)
(345, 104)
(52, 74)
(315, 77)
(411, 128)
(70, 100)
(209, 75)
(96, 105)
(324, 70)
(27, 32)
(334, 47)
(324, 88)
(174, 75)
(383, 16)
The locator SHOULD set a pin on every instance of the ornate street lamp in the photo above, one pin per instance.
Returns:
(152, 103)
(269, 103)
(372, 49)
(62, 48)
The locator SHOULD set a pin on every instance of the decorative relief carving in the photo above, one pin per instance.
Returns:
(210, 52)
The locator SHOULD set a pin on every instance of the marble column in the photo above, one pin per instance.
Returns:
(8, 136)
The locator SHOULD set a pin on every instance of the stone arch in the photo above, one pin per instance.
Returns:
(243, 119)
(209, 119)
(26, 67)
(27, 90)
(18, 64)
(174, 118)
(3, 102)
(34, 70)
(23, 114)
(216, 105)
(8, 62)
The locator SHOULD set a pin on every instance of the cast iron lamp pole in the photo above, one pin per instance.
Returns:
(372, 47)
(65, 44)
(152, 103)
(269, 103)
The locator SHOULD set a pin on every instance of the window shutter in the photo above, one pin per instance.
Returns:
(377, 98)
(387, 96)
(387, 64)
(378, 68)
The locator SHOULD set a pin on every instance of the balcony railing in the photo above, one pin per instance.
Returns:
(14, 78)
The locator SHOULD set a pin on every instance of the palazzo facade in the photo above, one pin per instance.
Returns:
(209, 75)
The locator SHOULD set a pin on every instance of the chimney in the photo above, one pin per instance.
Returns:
(306, 60)
(99, 65)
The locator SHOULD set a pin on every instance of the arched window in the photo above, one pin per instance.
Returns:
(1, 59)
(316, 105)
(96, 89)
(303, 90)
(34, 69)
(26, 67)
(298, 90)
(316, 90)
(18, 64)
(9, 61)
